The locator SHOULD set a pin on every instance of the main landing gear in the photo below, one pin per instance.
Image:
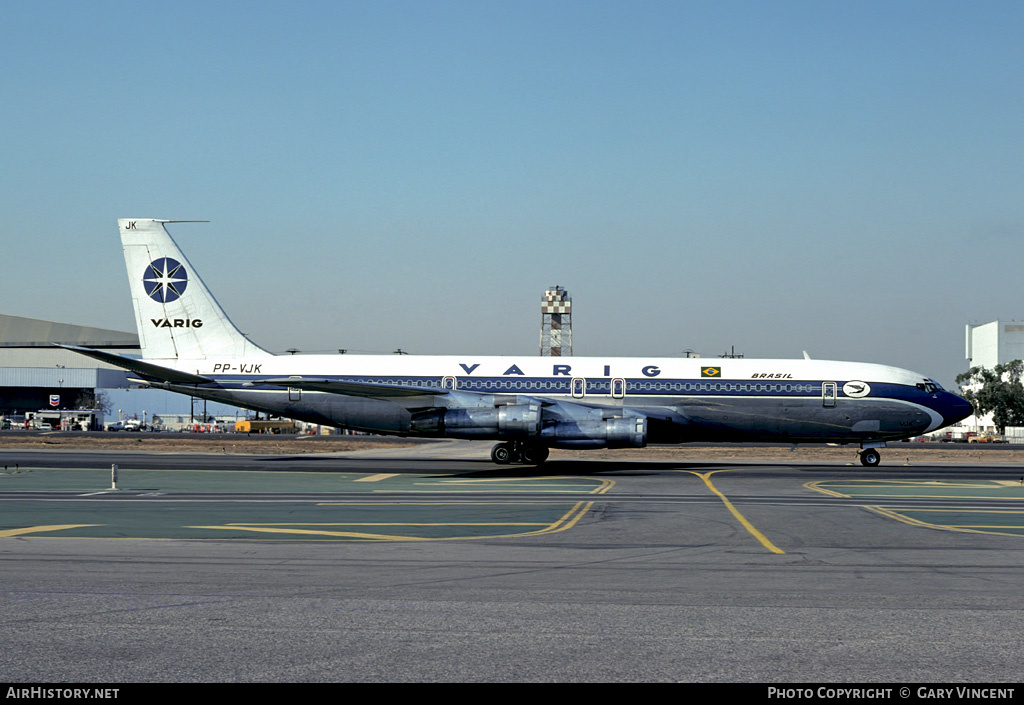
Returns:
(519, 453)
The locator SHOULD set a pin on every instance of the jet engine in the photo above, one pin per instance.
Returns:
(528, 423)
(508, 421)
(619, 432)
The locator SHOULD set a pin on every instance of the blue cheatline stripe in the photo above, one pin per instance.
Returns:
(634, 386)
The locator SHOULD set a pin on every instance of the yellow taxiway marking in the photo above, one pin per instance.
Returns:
(987, 526)
(566, 521)
(530, 483)
(706, 478)
(378, 477)
(401, 503)
(38, 529)
(310, 532)
(853, 489)
(897, 514)
(398, 523)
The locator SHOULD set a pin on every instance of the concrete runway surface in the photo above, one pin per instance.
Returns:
(669, 570)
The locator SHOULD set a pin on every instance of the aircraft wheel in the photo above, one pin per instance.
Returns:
(870, 458)
(502, 453)
(534, 455)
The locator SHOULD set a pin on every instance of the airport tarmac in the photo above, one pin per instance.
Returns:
(428, 563)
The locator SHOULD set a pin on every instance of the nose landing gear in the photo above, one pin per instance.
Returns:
(870, 457)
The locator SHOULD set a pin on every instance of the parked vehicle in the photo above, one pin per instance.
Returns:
(987, 438)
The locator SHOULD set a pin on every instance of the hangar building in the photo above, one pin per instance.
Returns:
(35, 374)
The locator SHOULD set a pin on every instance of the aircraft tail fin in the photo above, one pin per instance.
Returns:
(176, 314)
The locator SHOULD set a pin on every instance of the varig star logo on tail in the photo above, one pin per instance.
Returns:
(165, 280)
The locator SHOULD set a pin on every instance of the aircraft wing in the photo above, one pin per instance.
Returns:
(558, 409)
(352, 389)
(147, 369)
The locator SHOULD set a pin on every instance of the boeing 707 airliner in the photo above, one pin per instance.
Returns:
(527, 404)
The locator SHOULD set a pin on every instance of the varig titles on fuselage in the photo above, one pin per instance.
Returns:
(646, 370)
(509, 370)
(561, 370)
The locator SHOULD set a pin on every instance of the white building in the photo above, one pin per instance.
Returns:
(995, 343)
(988, 345)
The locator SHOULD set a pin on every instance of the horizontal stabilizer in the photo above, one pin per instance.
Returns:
(147, 369)
(353, 389)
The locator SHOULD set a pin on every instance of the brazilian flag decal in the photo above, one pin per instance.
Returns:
(711, 372)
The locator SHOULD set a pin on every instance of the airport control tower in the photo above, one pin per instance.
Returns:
(556, 323)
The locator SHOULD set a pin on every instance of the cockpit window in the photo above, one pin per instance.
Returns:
(929, 386)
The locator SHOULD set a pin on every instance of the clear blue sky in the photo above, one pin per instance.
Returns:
(842, 178)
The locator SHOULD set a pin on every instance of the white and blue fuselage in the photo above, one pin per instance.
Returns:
(684, 399)
(528, 404)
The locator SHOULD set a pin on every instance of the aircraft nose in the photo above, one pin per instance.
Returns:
(954, 408)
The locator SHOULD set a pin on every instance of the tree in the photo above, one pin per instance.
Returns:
(998, 392)
(92, 399)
